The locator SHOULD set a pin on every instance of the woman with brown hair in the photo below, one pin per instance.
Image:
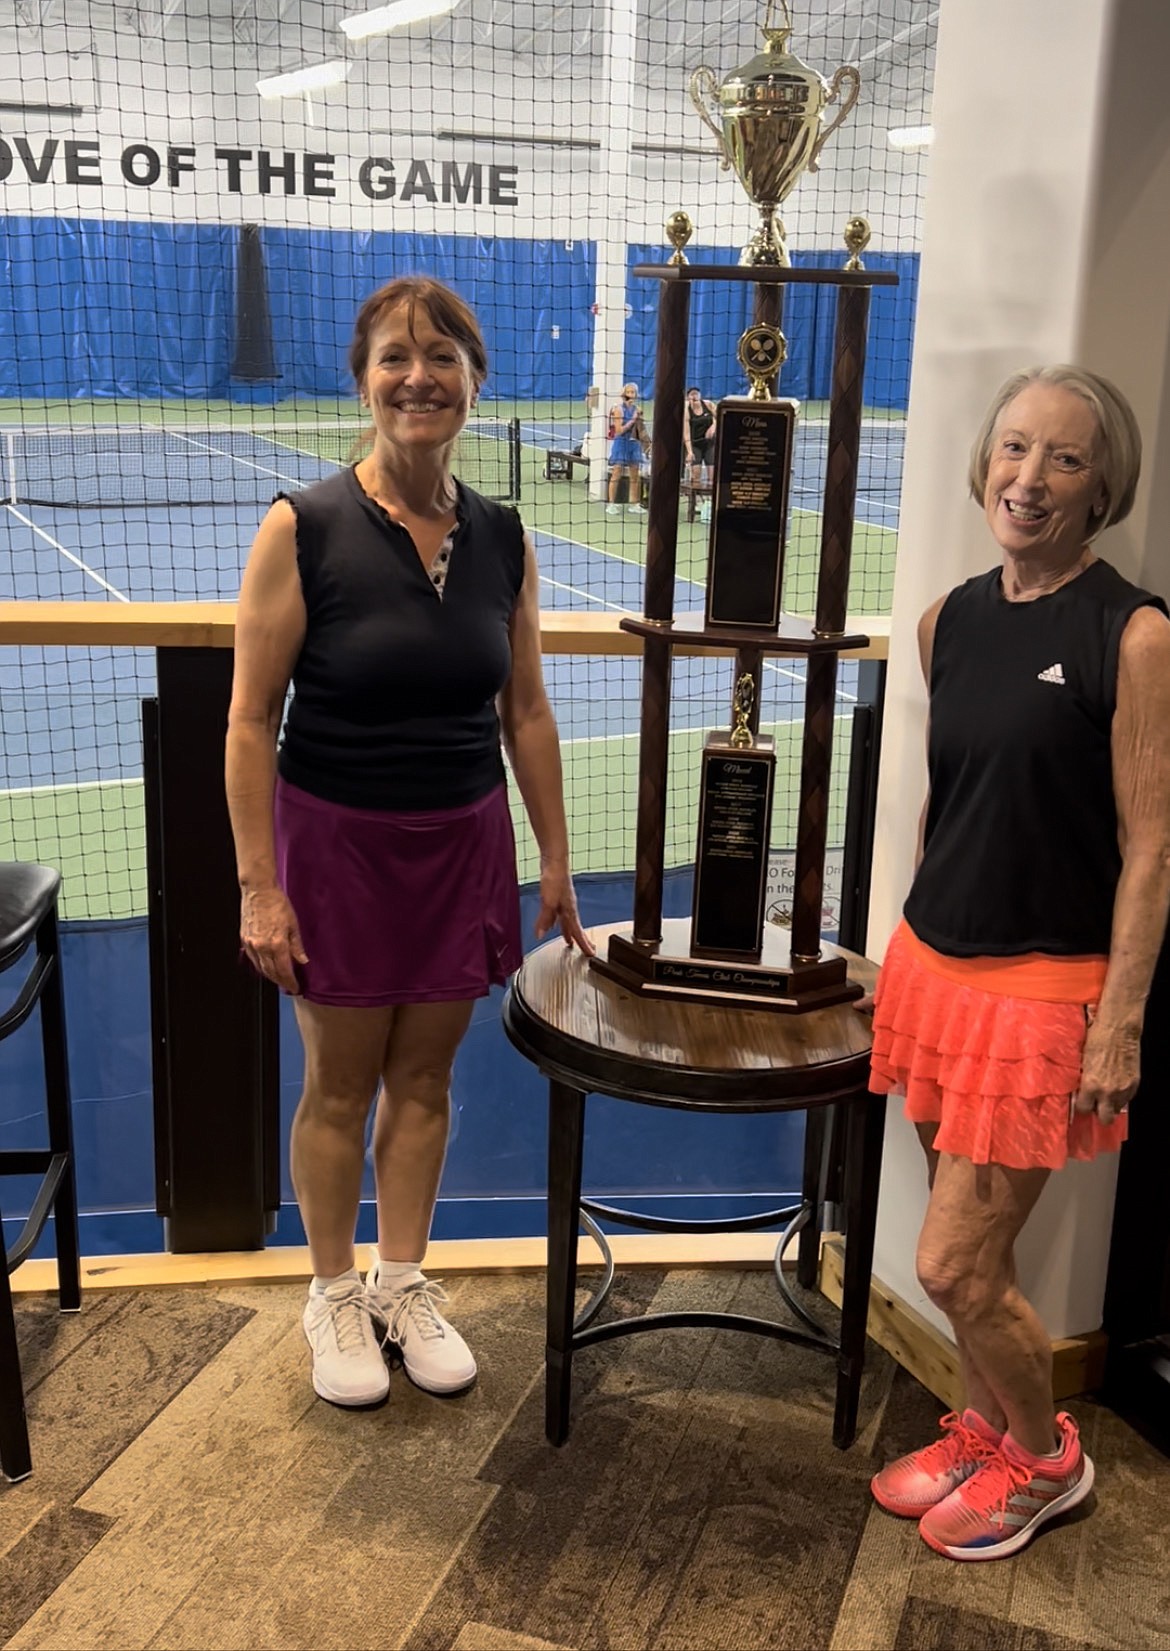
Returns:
(375, 852)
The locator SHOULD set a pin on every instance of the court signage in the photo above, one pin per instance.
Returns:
(80, 162)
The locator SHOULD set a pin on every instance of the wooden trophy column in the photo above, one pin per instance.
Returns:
(788, 971)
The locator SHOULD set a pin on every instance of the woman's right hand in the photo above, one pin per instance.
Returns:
(271, 936)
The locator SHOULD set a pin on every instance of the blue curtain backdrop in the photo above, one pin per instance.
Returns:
(99, 307)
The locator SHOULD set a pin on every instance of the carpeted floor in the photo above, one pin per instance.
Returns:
(188, 1490)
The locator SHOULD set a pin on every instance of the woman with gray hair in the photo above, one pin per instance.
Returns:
(1010, 1004)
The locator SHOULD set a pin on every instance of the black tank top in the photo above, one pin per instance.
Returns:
(700, 424)
(1020, 847)
(394, 689)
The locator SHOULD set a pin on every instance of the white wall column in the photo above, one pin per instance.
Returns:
(1046, 238)
(614, 166)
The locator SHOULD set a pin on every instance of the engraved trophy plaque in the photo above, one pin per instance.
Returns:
(737, 781)
(754, 437)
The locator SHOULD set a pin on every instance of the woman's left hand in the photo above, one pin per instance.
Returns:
(1110, 1068)
(558, 908)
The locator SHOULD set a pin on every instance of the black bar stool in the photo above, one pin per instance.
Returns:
(28, 917)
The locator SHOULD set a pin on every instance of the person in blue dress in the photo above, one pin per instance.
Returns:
(628, 438)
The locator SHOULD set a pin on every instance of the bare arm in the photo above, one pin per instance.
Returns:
(926, 630)
(534, 751)
(270, 628)
(1141, 785)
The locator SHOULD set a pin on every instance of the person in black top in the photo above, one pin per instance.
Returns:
(698, 436)
(375, 855)
(1010, 1004)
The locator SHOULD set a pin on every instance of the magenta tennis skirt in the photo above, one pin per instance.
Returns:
(400, 907)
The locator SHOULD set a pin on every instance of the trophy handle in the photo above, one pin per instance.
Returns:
(846, 73)
(703, 85)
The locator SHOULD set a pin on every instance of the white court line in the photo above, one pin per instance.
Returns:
(260, 469)
(777, 670)
(574, 590)
(78, 785)
(68, 555)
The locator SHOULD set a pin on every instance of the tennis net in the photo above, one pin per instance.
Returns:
(122, 466)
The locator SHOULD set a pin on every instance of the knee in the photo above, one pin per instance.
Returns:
(955, 1283)
(336, 1105)
(425, 1082)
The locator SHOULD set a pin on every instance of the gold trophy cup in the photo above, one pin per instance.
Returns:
(768, 119)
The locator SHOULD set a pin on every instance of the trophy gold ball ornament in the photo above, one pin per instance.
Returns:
(679, 230)
(857, 233)
(768, 119)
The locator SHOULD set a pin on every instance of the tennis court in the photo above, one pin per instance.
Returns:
(120, 502)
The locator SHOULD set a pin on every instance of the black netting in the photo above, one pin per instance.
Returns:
(184, 257)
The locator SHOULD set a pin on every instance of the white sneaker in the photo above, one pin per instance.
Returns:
(636, 509)
(434, 1355)
(613, 510)
(348, 1367)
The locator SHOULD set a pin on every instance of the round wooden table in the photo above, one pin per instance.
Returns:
(589, 1035)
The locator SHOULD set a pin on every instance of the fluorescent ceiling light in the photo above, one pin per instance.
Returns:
(395, 16)
(911, 137)
(311, 79)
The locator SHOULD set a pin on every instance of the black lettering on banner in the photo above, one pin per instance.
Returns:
(179, 160)
(79, 157)
(38, 171)
(285, 170)
(151, 168)
(380, 188)
(502, 186)
(234, 158)
(319, 175)
(418, 182)
(5, 160)
(457, 188)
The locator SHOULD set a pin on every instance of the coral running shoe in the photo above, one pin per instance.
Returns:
(999, 1509)
(914, 1484)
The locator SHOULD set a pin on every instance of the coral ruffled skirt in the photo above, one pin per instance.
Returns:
(996, 1071)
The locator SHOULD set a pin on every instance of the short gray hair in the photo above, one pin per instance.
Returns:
(1121, 441)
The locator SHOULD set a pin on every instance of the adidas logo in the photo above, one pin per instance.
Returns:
(1054, 673)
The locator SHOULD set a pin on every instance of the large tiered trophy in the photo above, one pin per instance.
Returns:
(726, 952)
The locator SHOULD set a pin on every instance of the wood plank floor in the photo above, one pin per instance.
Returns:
(190, 1491)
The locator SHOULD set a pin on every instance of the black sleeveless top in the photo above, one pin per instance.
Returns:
(1020, 846)
(394, 689)
(700, 424)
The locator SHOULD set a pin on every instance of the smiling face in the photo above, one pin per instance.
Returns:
(1044, 485)
(418, 382)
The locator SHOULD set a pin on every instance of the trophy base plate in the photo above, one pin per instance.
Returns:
(670, 970)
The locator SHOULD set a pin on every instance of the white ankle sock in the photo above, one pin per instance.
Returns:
(319, 1285)
(397, 1275)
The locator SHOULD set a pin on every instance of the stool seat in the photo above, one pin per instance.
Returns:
(27, 895)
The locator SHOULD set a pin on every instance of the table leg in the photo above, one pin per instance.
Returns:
(863, 1167)
(566, 1140)
(809, 1243)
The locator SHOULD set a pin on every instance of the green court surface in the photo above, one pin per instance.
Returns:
(94, 832)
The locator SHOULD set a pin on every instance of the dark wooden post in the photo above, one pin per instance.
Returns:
(845, 410)
(661, 548)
